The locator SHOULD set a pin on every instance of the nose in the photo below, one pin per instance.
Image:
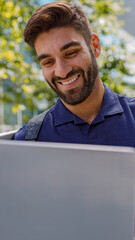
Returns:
(62, 68)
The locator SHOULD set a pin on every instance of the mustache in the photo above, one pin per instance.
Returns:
(70, 74)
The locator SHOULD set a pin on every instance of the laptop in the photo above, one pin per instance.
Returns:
(55, 191)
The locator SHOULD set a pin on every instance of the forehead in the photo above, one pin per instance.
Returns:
(56, 38)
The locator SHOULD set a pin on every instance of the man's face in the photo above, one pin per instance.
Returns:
(68, 64)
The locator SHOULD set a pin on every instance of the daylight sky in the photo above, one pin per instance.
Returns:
(46, 1)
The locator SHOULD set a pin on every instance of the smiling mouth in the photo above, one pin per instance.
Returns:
(70, 81)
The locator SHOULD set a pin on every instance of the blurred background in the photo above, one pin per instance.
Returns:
(23, 90)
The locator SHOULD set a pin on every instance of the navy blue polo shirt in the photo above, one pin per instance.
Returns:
(114, 124)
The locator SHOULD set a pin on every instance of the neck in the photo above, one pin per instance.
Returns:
(88, 109)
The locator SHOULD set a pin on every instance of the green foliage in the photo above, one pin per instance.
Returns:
(19, 75)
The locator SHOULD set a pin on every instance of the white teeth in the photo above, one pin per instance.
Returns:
(72, 80)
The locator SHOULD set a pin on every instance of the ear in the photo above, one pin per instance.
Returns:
(95, 44)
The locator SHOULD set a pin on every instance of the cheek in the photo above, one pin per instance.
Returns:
(46, 74)
(83, 60)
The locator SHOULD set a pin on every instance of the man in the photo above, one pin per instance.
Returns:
(87, 111)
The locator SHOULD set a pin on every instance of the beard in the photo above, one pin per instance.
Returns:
(79, 94)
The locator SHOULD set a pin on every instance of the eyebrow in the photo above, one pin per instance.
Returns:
(42, 56)
(66, 46)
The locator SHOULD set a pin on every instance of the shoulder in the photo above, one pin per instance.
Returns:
(20, 134)
(31, 129)
(127, 102)
(128, 106)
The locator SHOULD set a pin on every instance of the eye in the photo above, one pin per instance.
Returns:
(47, 63)
(71, 53)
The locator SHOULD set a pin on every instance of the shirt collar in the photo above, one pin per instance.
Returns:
(110, 106)
(63, 115)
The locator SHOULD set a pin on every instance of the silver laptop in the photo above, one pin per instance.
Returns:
(53, 191)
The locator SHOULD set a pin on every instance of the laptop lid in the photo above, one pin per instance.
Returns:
(58, 191)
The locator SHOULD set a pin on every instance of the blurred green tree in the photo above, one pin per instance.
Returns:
(20, 74)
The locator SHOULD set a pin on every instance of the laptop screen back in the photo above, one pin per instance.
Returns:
(57, 191)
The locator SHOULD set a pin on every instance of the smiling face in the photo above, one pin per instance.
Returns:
(68, 64)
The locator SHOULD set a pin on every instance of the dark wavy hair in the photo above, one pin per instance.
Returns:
(54, 15)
